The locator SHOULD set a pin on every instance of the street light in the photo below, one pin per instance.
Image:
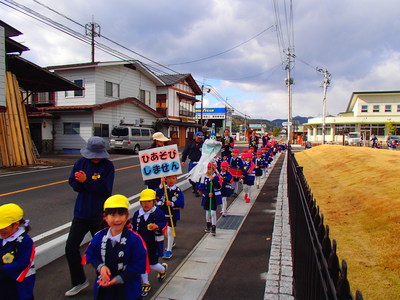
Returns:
(201, 107)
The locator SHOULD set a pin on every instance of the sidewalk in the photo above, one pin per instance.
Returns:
(234, 264)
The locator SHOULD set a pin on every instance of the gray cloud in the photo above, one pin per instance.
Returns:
(357, 41)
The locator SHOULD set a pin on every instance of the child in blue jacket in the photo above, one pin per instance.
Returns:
(226, 189)
(118, 254)
(175, 200)
(259, 163)
(236, 169)
(248, 176)
(149, 223)
(17, 271)
(210, 187)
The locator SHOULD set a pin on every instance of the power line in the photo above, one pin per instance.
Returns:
(58, 26)
(58, 13)
(215, 93)
(225, 51)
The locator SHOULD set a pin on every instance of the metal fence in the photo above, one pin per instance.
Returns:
(317, 272)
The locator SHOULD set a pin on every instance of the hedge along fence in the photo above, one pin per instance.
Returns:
(317, 272)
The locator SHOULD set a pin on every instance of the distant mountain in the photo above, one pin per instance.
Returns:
(301, 120)
(269, 125)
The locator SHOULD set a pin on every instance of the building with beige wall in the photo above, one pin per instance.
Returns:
(367, 113)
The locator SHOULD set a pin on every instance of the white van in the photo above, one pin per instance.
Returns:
(354, 138)
(129, 138)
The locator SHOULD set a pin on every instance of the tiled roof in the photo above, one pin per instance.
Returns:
(171, 79)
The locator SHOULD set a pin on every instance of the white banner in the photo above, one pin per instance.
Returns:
(159, 162)
(209, 150)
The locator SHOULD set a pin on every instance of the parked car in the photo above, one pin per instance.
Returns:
(129, 138)
(354, 138)
(391, 139)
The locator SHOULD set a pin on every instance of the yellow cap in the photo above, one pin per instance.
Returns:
(117, 201)
(147, 194)
(9, 214)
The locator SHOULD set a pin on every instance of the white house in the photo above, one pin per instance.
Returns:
(367, 113)
(115, 93)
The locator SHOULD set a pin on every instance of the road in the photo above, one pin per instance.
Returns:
(47, 198)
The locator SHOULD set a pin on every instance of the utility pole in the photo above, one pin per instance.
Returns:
(289, 82)
(92, 29)
(327, 81)
(201, 105)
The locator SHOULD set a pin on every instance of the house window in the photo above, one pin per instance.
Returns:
(364, 108)
(144, 96)
(375, 108)
(186, 108)
(388, 108)
(101, 130)
(112, 89)
(72, 128)
(327, 129)
(77, 93)
(44, 98)
(378, 129)
(344, 128)
(398, 107)
(174, 132)
(190, 133)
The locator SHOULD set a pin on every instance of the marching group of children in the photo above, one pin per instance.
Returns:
(126, 250)
(224, 175)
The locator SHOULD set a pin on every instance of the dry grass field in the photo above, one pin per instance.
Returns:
(358, 191)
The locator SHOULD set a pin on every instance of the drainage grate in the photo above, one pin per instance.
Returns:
(230, 222)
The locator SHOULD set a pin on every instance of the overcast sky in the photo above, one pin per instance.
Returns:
(232, 45)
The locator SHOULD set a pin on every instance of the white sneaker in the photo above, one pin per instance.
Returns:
(77, 289)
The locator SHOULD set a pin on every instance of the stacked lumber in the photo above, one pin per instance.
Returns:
(16, 146)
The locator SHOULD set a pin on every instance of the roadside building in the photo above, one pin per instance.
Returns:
(115, 93)
(368, 113)
(176, 103)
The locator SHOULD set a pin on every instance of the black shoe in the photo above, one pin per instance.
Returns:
(214, 230)
(208, 228)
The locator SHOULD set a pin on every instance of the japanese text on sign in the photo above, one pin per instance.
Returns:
(160, 162)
